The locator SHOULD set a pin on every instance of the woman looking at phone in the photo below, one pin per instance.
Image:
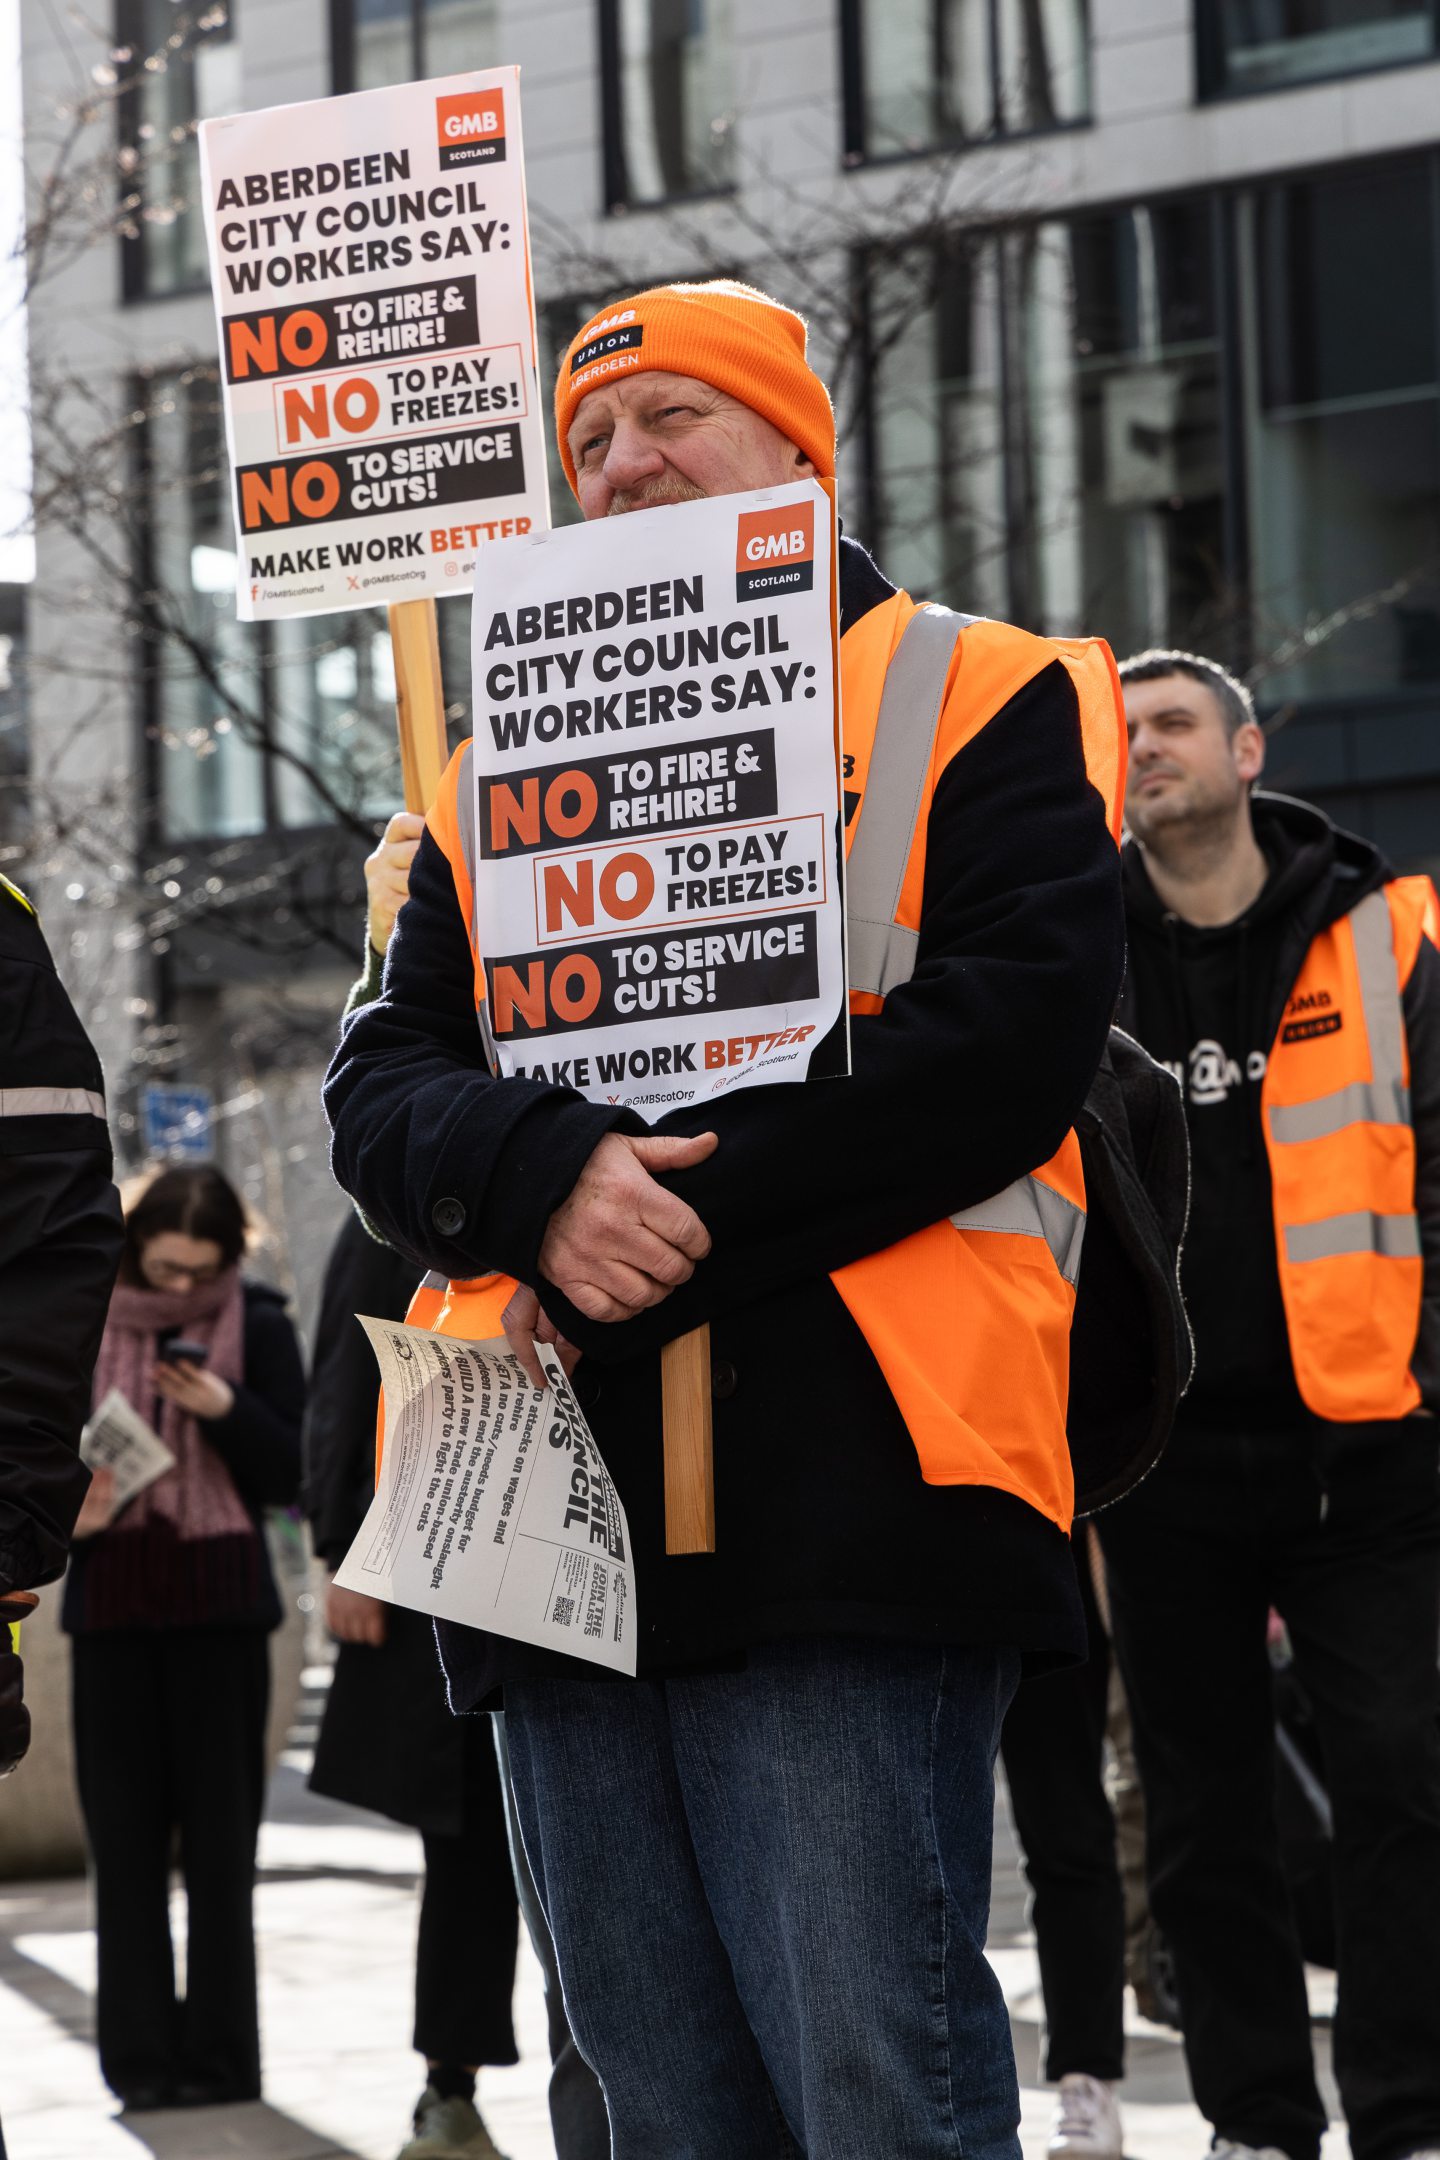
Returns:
(170, 1603)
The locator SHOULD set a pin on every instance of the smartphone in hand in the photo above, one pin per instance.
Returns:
(181, 1352)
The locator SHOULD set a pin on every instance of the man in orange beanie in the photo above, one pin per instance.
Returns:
(766, 1861)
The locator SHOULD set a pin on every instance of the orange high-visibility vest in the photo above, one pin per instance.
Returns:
(1336, 1108)
(969, 1319)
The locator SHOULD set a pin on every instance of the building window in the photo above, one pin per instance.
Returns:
(1269, 44)
(1117, 474)
(377, 42)
(252, 727)
(1046, 427)
(1341, 391)
(938, 507)
(939, 74)
(180, 65)
(668, 79)
(1211, 422)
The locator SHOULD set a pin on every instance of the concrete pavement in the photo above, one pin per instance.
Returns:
(336, 1909)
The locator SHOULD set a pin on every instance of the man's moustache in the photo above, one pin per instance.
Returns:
(653, 495)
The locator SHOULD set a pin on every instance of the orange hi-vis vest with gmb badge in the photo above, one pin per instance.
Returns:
(968, 1319)
(1336, 1107)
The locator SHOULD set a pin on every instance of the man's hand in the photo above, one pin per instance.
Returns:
(353, 1617)
(525, 1325)
(203, 1394)
(387, 874)
(621, 1242)
(97, 1509)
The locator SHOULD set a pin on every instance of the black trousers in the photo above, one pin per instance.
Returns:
(469, 1923)
(1053, 1747)
(170, 1738)
(1339, 1528)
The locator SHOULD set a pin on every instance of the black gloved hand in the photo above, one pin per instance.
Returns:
(14, 1717)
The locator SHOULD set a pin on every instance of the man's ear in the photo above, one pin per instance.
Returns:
(1249, 752)
(804, 466)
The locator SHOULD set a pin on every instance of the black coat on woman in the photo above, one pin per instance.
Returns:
(388, 1741)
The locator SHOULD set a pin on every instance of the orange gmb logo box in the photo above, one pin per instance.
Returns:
(775, 551)
(470, 128)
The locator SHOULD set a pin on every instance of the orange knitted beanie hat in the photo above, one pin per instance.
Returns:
(729, 335)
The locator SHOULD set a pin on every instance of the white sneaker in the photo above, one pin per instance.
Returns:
(1087, 2119)
(448, 2128)
(1231, 2149)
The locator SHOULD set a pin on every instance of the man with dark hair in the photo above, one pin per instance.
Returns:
(1162, 664)
(1292, 983)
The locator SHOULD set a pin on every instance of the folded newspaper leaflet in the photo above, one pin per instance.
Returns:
(117, 1438)
(493, 1506)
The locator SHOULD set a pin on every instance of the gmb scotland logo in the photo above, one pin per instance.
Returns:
(775, 551)
(470, 128)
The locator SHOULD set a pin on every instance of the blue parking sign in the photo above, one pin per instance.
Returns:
(177, 1122)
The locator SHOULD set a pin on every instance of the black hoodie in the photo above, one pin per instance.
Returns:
(1208, 1003)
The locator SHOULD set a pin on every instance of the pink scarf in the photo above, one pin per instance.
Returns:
(197, 1496)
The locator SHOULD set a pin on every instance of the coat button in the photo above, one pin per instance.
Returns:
(448, 1217)
(723, 1379)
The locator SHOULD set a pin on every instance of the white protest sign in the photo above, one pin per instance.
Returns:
(657, 800)
(117, 1438)
(369, 258)
(493, 1506)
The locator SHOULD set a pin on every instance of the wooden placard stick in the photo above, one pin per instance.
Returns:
(689, 1443)
(419, 700)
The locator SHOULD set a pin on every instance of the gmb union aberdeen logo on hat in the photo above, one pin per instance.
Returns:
(731, 336)
(470, 128)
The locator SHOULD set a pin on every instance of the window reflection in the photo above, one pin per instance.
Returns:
(1342, 415)
(205, 687)
(670, 98)
(321, 689)
(1265, 44)
(379, 42)
(184, 68)
(939, 516)
(1117, 389)
(937, 74)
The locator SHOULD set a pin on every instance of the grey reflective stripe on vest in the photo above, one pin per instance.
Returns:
(432, 1281)
(51, 1102)
(1394, 1237)
(1029, 1209)
(465, 816)
(881, 952)
(1383, 1099)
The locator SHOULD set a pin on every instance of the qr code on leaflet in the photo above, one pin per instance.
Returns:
(564, 1611)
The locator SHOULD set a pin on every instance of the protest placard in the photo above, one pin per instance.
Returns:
(117, 1438)
(493, 1506)
(658, 867)
(370, 262)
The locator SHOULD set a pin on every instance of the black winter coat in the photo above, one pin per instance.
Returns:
(969, 1077)
(387, 1740)
(60, 1241)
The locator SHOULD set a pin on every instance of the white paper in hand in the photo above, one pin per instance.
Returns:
(117, 1438)
(493, 1506)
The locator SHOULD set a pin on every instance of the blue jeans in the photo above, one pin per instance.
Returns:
(769, 1892)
